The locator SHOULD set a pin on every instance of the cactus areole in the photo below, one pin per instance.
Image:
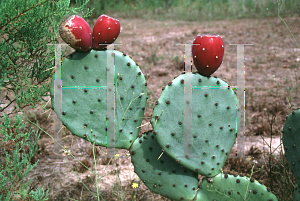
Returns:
(77, 33)
(105, 31)
(208, 52)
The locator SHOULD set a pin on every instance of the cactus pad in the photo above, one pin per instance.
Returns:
(163, 175)
(296, 194)
(236, 187)
(84, 100)
(215, 119)
(291, 142)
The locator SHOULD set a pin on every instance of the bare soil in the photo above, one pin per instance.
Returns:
(271, 66)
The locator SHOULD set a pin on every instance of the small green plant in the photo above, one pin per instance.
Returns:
(153, 58)
(15, 169)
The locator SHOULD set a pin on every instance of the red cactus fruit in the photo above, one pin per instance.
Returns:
(208, 52)
(105, 31)
(77, 33)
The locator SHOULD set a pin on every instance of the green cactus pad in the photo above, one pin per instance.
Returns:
(215, 119)
(291, 142)
(84, 79)
(296, 194)
(163, 175)
(224, 187)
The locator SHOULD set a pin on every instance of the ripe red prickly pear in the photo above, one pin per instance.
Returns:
(77, 33)
(208, 53)
(105, 31)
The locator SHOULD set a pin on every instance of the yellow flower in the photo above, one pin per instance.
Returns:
(135, 185)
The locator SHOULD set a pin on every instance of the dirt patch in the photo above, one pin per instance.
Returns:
(270, 65)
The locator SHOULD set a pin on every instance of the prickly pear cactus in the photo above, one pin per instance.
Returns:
(84, 108)
(233, 187)
(162, 174)
(158, 156)
(215, 120)
(291, 143)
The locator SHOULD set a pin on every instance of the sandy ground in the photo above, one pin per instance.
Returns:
(270, 65)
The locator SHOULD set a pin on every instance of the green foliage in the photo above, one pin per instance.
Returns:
(15, 170)
(194, 9)
(27, 59)
(27, 28)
